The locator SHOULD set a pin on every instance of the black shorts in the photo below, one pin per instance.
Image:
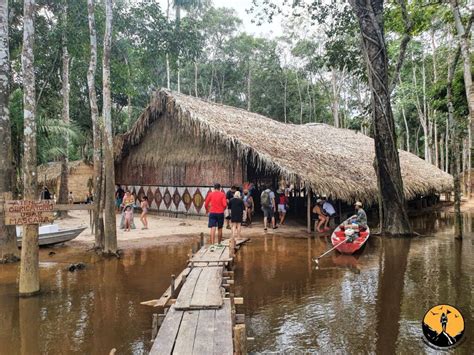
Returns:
(216, 220)
(236, 218)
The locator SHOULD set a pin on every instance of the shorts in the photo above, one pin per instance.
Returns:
(237, 218)
(281, 208)
(227, 213)
(216, 220)
(118, 202)
(268, 212)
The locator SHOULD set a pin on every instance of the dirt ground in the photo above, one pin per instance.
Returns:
(169, 230)
(162, 231)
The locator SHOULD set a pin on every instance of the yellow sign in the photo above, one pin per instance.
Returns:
(29, 212)
(443, 326)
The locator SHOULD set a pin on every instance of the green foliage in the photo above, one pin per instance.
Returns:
(287, 78)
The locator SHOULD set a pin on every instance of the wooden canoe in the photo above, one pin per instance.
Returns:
(62, 236)
(338, 237)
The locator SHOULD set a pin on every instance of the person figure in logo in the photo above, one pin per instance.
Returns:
(444, 321)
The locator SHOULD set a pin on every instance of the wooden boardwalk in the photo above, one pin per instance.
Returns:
(201, 318)
(204, 331)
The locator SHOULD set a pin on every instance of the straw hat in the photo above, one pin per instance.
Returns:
(358, 203)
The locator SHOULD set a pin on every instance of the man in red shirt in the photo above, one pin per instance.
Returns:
(215, 205)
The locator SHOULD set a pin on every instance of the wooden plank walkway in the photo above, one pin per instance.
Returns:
(201, 319)
(202, 289)
(199, 332)
(215, 254)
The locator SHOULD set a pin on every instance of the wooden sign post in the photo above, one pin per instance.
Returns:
(21, 212)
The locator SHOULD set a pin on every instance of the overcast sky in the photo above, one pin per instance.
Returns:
(267, 29)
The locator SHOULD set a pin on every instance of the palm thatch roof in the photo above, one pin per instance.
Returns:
(332, 161)
(51, 171)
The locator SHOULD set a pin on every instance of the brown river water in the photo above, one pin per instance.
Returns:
(370, 303)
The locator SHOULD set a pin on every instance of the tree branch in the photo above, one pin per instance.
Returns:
(403, 45)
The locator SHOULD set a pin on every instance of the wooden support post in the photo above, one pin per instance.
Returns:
(154, 326)
(240, 318)
(202, 240)
(161, 318)
(240, 339)
(172, 285)
(232, 247)
(308, 214)
(232, 308)
(193, 249)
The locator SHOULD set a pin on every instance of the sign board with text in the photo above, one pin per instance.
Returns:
(28, 212)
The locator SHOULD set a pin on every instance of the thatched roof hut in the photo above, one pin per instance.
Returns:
(332, 161)
(79, 182)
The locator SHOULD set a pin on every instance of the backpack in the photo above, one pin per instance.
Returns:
(265, 198)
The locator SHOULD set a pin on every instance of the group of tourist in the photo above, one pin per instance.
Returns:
(125, 202)
(235, 208)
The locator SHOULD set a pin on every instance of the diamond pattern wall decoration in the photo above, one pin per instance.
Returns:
(167, 198)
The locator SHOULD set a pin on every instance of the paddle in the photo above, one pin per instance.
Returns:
(316, 260)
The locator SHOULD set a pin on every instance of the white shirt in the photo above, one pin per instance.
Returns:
(329, 208)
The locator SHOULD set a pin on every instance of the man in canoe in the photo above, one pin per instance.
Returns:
(361, 216)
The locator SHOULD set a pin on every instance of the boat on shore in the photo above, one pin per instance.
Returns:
(349, 247)
(51, 234)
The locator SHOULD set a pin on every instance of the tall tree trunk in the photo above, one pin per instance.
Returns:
(64, 178)
(446, 144)
(310, 102)
(110, 243)
(387, 163)
(417, 143)
(178, 71)
(178, 64)
(129, 96)
(433, 48)
(223, 88)
(96, 129)
(465, 50)
(435, 140)
(422, 114)
(29, 269)
(407, 129)
(441, 152)
(335, 98)
(458, 230)
(168, 85)
(285, 93)
(455, 169)
(8, 249)
(196, 79)
(249, 88)
(301, 98)
(212, 81)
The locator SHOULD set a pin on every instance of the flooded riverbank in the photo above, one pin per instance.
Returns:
(89, 311)
(373, 302)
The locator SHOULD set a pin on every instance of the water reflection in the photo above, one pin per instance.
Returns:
(90, 311)
(371, 302)
(367, 303)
